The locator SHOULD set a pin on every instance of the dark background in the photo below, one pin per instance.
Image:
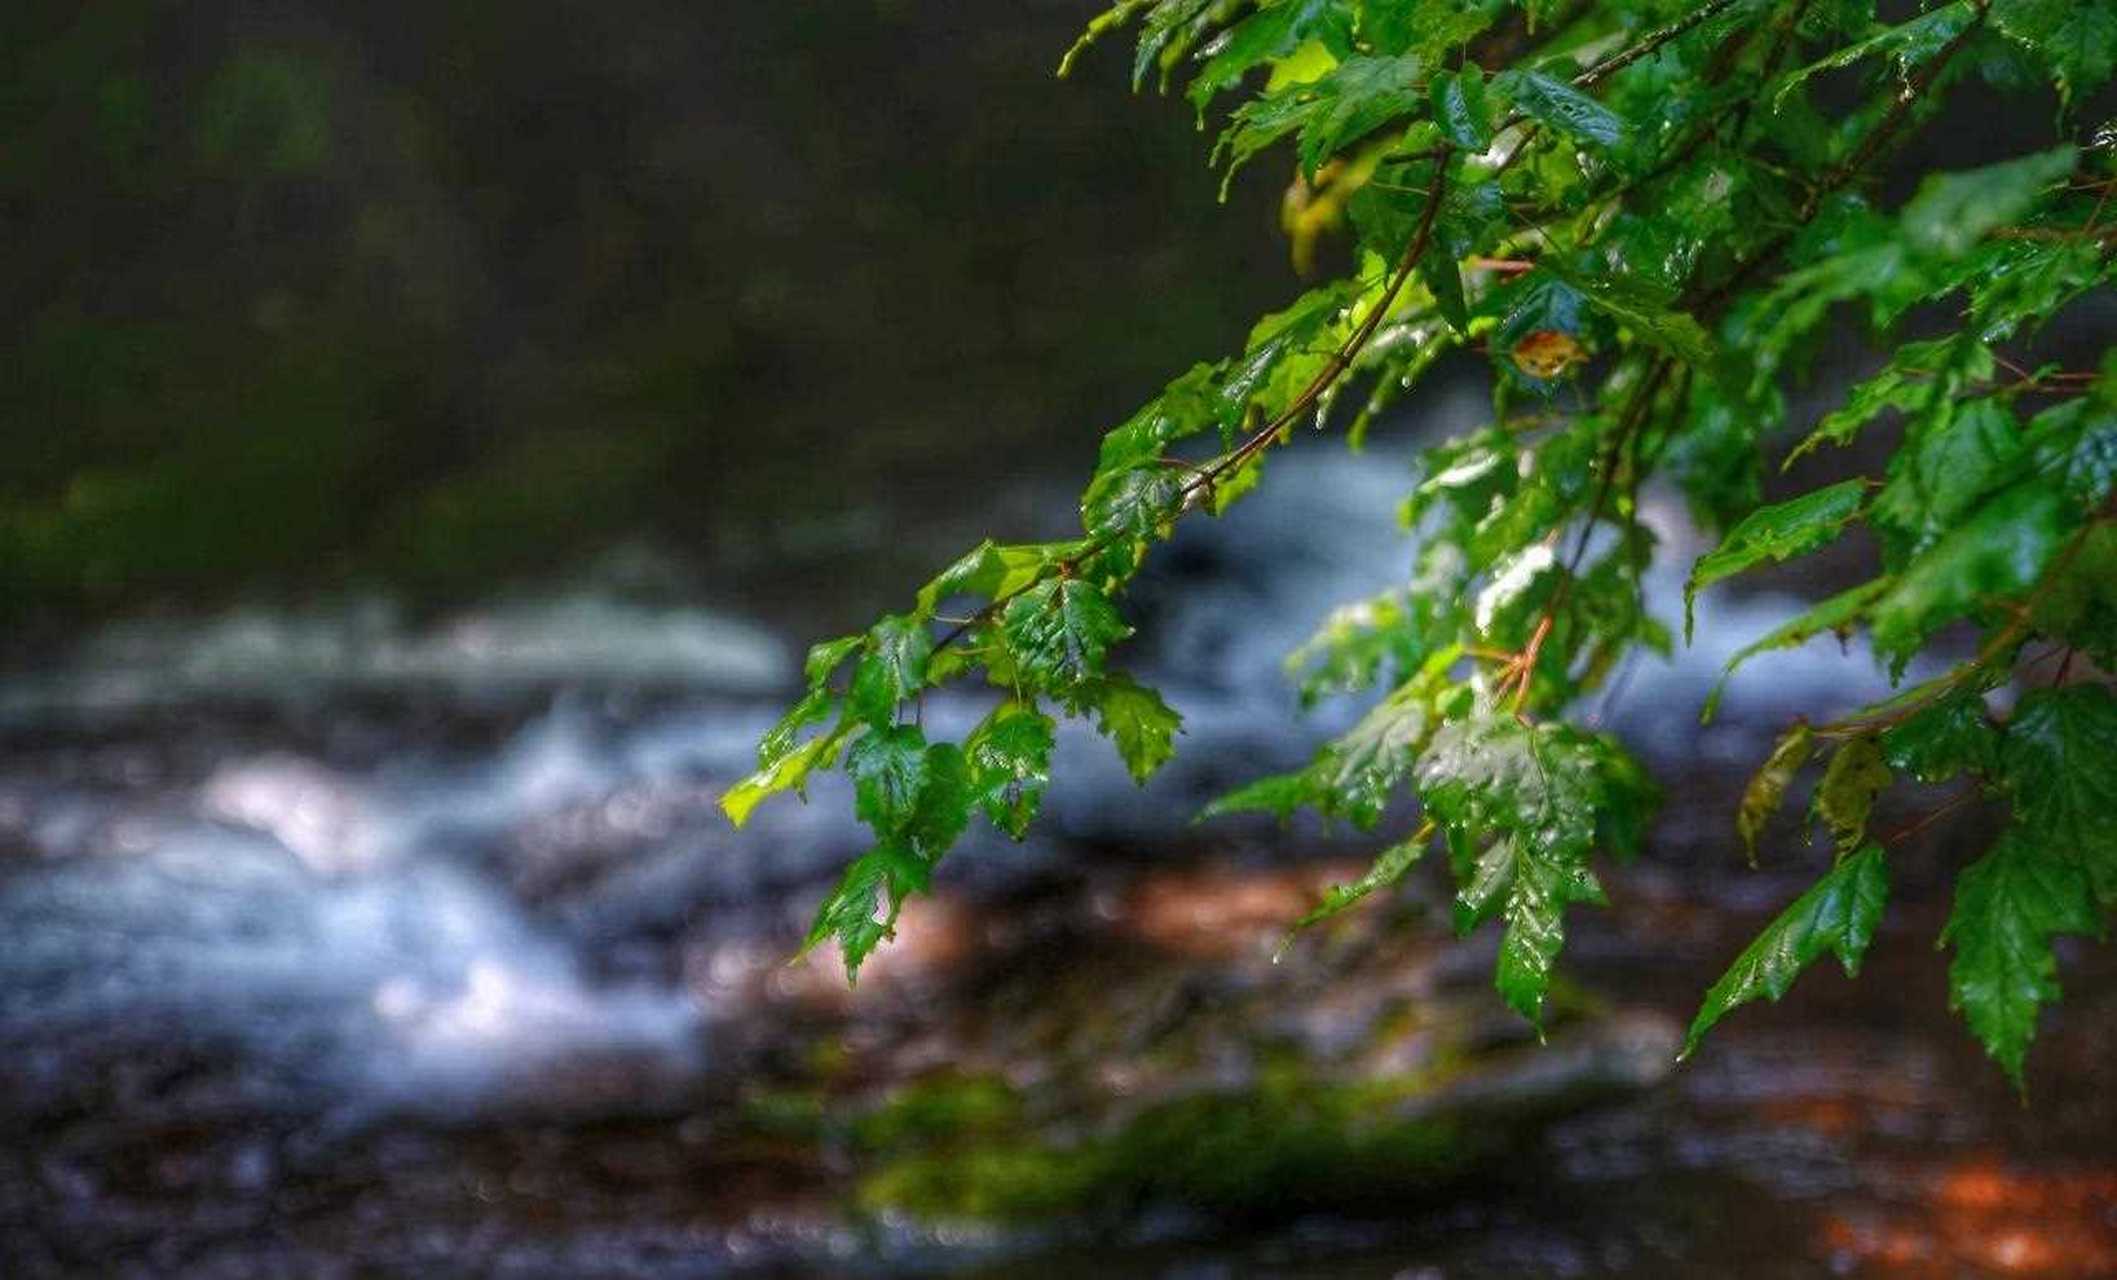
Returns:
(433, 295)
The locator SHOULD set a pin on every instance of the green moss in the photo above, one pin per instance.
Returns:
(797, 1113)
(940, 1108)
(991, 1182)
(1288, 1144)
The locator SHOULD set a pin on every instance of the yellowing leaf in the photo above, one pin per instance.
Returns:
(1767, 790)
(1547, 354)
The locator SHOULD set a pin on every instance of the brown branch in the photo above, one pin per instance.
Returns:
(1340, 361)
(1902, 834)
(1842, 174)
(1635, 416)
(1652, 43)
(2007, 637)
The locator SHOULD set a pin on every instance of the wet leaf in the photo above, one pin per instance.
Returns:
(1059, 631)
(1838, 914)
(1390, 866)
(887, 766)
(863, 909)
(1952, 735)
(2060, 757)
(892, 669)
(2009, 904)
(1856, 775)
(1010, 765)
(1767, 789)
(1998, 553)
(1562, 107)
(1461, 108)
(1780, 532)
(1134, 718)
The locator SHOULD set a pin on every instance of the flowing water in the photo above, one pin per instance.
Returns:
(343, 943)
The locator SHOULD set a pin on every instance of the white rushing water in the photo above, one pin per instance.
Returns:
(428, 930)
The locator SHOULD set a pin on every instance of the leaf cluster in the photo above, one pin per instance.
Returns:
(1648, 218)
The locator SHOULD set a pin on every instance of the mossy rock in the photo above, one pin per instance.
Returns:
(961, 1146)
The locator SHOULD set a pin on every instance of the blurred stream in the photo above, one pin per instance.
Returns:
(386, 925)
(340, 943)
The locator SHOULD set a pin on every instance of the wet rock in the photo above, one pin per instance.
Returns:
(1132, 1059)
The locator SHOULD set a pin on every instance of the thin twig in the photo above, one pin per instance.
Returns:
(1341, 360)
(1905, 833)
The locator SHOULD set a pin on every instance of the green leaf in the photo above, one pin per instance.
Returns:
(1835, 614)
(2060, 756)
(1169, 32)
(1134, 718)
(783, 737)
(1113, 19)
(814, 707)
(1767, 789)
(1010, 765)
(1649, 311)
(993, 572)
(1949, 464)
(1953, 211)
(1136, 504)
(1443, 277)
(1361, 644)
(1905, 41)
(788, 772)
(2075, 446)
(1538, 788)
(1390, 866)
(1839, 914)
(1354, 99)
(1060, 630)
(1997, 553)
(1279, 795)
(2016, 286)
(1185, 407)
(1626, 800)
(1461, 109)
(1388, 209)
(892, 670)
(2077, 605)
(1358, 772)
(2075, 39)
(1285, 351)
(855, 912)
(1857, 773)
(1716, 458)
(1270, 33)
(2009, 904)
(887, 766)
(1530, 883)
(941, 810)
(1546, 881)
(1562, 107)
(1778, 532)
(1434, 28)
(1489, 770)
(1949, 736)
(825, 657)
(1921, 374)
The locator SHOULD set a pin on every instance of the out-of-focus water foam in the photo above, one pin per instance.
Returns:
(389, 934)
(369, 646)
(418, 988)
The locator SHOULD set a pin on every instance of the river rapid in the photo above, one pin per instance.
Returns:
(338, 942)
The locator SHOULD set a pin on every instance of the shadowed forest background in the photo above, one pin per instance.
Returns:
(303, 297)
(431, 433)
